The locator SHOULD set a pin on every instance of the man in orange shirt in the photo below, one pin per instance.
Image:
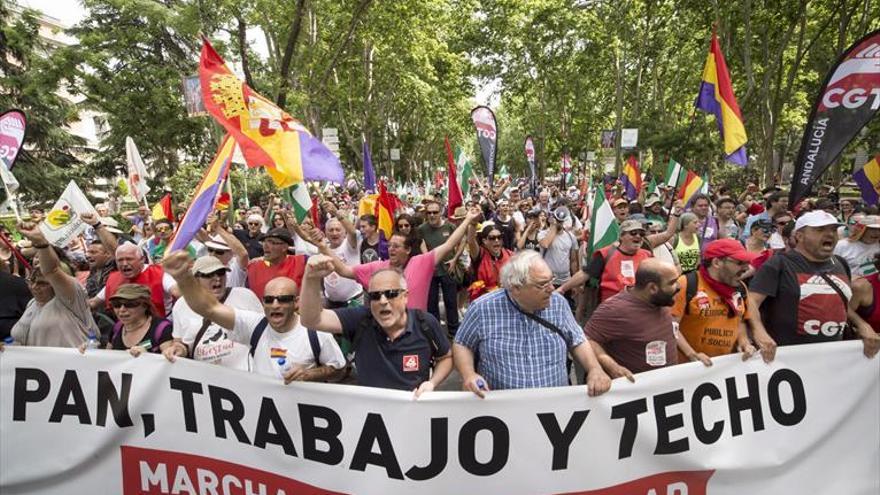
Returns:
(711, 309)
(275, 262)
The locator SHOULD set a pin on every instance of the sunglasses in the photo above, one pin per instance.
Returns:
(389, 294)
(128, 304)
(254, 223)
(493, 238)
(163, 229)
(283, 299)
(218, 274)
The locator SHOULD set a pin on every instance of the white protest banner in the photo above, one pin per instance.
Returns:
(105, 422)
(63, 221)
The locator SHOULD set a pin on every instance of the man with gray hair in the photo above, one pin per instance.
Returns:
(522, 334)
(131, 270)
(395, 347)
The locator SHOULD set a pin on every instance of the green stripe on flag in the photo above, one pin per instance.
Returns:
(604, 230)
(298, 197)
(674, 173)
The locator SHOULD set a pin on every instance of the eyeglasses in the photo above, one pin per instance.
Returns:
(389, 294)
(283, 299)
(163, 229)
(493, 238)
(218, 274)
(128, 304)
(430, 212)
(543, 286)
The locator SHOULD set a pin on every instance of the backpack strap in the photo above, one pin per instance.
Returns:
(117, 329)
(315, 344)
(257, 334)
(691, 290)
(422, 323)
(205, 324)
(157, 333)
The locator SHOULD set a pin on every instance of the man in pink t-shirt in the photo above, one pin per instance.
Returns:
(418, 270)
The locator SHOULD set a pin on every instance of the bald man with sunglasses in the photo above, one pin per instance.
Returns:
(395, 347)
(274, 335)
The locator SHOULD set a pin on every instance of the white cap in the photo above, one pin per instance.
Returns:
(871, 222)
(818, 218)
(217, 243)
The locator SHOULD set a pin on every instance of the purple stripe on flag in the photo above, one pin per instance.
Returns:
(706, 102)
(869, 194)
(194, 218)
(631, 192)
(369, 173)
(738, 157)
(318, 162)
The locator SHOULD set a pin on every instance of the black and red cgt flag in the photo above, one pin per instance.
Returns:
(848, 99)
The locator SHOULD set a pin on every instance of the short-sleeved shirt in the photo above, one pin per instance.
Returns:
(61, 322)
(858, 255)
(260, 273)
(435, 237)
(215, 346)
(706, 322)
(418, 272)
(150, 341)
(292, 345)
(801, 307)
(337, 288)
(635, 333)
(252, 244)
(514, 350)
(402, 363)
(558, 255)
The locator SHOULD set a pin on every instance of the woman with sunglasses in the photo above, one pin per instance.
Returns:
(139, 328)
(489, 255)
(58, 315)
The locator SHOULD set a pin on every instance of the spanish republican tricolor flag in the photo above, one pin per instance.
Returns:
(692, 184)
(868, 179)
(205, 197)
(267, 135)
(716, 97)
(631, 178)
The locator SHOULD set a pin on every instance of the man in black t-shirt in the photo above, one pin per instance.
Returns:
(394, 347)
(798, 303)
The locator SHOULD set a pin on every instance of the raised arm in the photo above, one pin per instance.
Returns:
(671, 227)
(107, 239)
(444, 249)
(197, 297)
(238, 249)
(63, 284)
(311, 311)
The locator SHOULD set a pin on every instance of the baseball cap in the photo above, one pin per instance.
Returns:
(280, 234)
(619, 201)
(817, 218)
(871, 222)
(728, 248)
(217, 244)
(651, 201)
(208, 264)
(631, 225)
(131, 292)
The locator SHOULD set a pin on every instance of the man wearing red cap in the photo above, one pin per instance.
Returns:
(711, 307)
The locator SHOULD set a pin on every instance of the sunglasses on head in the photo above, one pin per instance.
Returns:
(283, 299)
(117, 303)
(389, 294)
(218, 273)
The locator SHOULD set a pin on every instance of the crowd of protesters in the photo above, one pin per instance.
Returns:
(504, 289)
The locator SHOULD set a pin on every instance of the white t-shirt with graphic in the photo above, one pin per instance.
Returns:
(292, 345)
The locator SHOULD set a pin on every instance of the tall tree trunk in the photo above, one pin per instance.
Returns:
(289, 50)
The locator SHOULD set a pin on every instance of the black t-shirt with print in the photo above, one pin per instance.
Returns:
(165, 335)
(801, 307)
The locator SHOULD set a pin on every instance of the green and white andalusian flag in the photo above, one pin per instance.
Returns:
(465, 171)
(652, 188)
(604, 230)
(674, 173)
(298, 197)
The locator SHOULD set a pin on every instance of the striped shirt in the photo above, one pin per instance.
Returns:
(514, 351)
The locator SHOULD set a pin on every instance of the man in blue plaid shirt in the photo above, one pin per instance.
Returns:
(519, 336)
